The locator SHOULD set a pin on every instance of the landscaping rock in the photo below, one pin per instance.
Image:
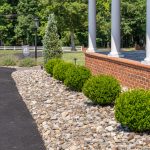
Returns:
(66, 119)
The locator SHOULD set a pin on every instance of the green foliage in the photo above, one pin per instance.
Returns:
(50, 65)
(132, 109)
(102, 89)
(72, 26)
(51, 42)
(27, 10)
(6, 25)
(76, 77)
(59, 71)
(8, 61)
(27, 62)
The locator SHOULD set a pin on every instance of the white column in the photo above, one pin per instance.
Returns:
(92, 25)
(115, 29)
(147, 59)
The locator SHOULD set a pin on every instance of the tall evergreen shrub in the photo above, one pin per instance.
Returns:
(51, 41)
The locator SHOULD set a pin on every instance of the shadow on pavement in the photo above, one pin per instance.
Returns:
(18, 130)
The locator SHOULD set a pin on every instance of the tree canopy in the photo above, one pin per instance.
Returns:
(17, 21)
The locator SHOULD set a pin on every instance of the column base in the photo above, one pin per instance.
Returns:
(146, 61)
(118, 55)
(92, 50)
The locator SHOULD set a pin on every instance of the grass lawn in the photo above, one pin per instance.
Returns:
(10, 52)
(69, 57)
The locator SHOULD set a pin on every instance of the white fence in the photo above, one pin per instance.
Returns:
(65, 49)
(19, 48)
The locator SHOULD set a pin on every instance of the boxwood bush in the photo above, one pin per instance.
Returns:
(50, 65)
(132, 109)
(76, 77)
(59, 71)
(102, 89)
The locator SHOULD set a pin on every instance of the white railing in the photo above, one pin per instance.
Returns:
(66, 49)
(19, 48)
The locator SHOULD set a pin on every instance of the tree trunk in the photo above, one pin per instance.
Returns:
(73, 48)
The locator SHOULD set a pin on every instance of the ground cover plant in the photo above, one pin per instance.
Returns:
(132, 109)
(102, 89)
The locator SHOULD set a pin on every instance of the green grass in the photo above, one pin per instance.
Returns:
(9, 52)
(69, 57)
(40, 61)
(8, 60)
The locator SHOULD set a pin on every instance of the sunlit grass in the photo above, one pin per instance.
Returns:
(10, 52)
(69, 57)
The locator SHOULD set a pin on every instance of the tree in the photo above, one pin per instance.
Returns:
(6, 25)
(103, 23)
(72, 22)
(70, 13)
(27, 10)
(133, 22)
(51, 41)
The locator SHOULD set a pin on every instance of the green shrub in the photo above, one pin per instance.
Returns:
(27, 62)
(8, 61)
(76, 77)
(102, 89)
(51, 41)
(132, 109)
(59, 71)
(50, 65)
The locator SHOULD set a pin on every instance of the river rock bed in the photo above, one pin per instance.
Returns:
(67, 120)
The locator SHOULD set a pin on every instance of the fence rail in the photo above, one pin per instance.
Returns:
(19, 48)
(67, 49)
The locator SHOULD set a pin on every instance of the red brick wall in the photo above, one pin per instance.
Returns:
(130, 73)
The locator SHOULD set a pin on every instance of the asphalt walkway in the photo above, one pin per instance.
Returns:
(18, 130)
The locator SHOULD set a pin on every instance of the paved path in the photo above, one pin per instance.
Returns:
(18, 130)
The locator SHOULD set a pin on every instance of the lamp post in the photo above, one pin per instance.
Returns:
(36, 20)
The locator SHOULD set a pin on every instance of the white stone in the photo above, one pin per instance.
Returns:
(109, 128)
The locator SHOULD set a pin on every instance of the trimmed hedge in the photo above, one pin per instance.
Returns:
(102, 89)
(50, 65)
(59, 71)
(132, 109)
(76, 77)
